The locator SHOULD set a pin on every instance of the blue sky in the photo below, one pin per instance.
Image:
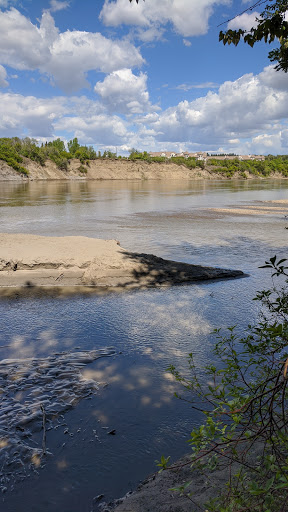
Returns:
(152, 76)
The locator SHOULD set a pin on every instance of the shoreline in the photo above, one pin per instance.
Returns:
(155, 494)
(32, 264)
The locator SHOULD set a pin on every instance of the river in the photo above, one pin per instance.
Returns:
(109, 441)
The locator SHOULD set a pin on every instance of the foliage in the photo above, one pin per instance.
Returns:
(271, 164)
(73, 146)
(12, 150)
(270, 26)
(10, 155)
(245, 406)
(226, 167)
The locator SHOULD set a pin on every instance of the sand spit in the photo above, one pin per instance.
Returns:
(258, 208)
(75, 263)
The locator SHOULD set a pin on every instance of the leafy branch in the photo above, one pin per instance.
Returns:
(271, 26)
(244, 403)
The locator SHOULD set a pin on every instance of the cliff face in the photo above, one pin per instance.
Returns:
(117, 170)
(104, 170)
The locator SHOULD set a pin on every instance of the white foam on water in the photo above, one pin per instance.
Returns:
(34, 392)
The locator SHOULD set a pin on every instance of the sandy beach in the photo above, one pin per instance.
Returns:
(75, 263)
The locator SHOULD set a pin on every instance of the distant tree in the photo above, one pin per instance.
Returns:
(73, 146)
(57, 143)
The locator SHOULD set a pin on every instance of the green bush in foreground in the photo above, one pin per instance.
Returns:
(245, 406)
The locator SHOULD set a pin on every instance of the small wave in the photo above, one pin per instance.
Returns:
(35, 392)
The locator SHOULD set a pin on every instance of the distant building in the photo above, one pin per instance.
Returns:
(203, 155)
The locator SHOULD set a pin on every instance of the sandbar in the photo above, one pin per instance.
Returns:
(71, 264)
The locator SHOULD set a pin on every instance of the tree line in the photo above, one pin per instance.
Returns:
(14, 150)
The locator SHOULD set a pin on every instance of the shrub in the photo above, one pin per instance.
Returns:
(245, 406)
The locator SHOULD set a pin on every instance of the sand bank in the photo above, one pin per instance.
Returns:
(76, 263)
(108, 169)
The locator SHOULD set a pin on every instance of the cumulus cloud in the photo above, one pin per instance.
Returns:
(240, 109)
(124, 92)
(3, 76)
(271, 79)
(248, 115)
(48, 117)
(245, 21)
(188, 17)
(99, 129)
(66, 56)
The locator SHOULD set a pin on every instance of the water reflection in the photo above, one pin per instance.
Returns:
(149, 330)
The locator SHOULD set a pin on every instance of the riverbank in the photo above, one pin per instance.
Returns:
(109, 169)
(156, 494)
(75, 263)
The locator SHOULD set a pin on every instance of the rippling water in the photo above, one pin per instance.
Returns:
(149, 330)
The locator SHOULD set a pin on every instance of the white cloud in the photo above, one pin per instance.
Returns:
(204, 85)
(67, 56)
(248, 115)
(45, 118)
(186, 42)
(124, 92)
(3, 76)
(245, 21)
(246, 108)
(146, 35)
(188, 17)
(57, 5)
(271, 79)
(99, 129)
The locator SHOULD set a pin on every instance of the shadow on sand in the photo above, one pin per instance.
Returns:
(143, 271)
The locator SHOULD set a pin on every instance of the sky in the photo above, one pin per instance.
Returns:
(151, 76)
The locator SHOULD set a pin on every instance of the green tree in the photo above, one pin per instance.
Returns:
(73, 146)
(58, 143)
(270, 26)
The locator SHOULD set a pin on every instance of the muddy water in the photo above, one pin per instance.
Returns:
(124, 415)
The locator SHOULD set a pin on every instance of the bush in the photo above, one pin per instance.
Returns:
(245, 406)
(9, 154)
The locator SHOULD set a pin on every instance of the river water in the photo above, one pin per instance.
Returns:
(148, 330)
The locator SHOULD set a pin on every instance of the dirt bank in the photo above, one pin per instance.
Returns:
(111, 170)
(155, 494)
(76, 262)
